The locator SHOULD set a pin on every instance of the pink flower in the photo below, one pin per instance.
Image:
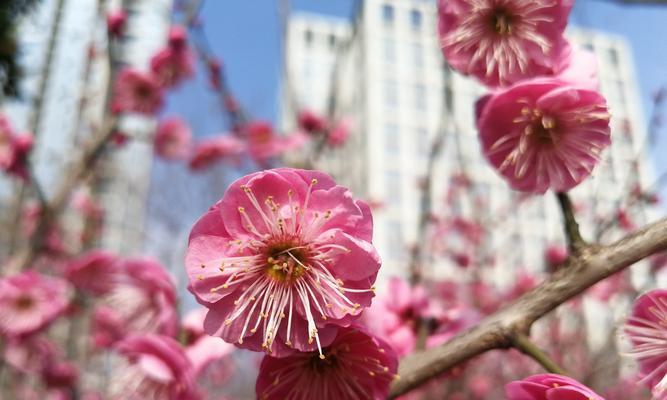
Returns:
(30, 301)
(311, 122)
(135, 91)
(549, 387)
(143, 300)
(14, 150)
(116, 21)
(647, 329)
(339, 134)
(214, 69)
(213, 150)
(178, 37)
(202, 350)
(397, 315)
(543, 134)
(60, 374)
(156, 368)
(95, 272)
(580, 68)
(555, 254)
(287, 247)
(264, 144)
(172, 139)
(354, 366)
(501, 42)
(170, 67)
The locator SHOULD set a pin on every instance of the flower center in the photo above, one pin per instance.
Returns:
(501, 22)
(24, 303)
(544, 130)
(286, 262)
(323, 364)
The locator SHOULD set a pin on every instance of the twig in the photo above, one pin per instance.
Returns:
(574, 240)
(522, 342)
(590, 265)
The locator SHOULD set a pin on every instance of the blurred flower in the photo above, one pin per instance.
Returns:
(339, 134)
(171, 66)
(311, 122)
(178, 37)
(203, 350)
(542, 134)
(501, 42)
(549, 387)
(213, 150)
(95, 272)
(30, 301)
(14, 150)
(60, 374)
(136, 91)
(263, 143)
(173, 139)
(156, 369)
(646, 328)
(287, 247)
(355, 366)
(555, 254)
(142, 300)
(398, 315)
(624, 220)
(30, 219)
(116, 21)
(580, 68)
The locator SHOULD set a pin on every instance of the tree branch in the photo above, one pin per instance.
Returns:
(574, 240)
(592, 264)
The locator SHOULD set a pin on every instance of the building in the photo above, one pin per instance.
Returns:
(63, 44)
(392, 80)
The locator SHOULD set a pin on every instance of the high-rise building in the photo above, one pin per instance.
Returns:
(62, 44)
(392, 81)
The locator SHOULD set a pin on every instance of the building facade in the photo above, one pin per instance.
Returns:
(392, 81)
(63, 53)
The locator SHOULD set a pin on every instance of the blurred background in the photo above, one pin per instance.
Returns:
(441, 212)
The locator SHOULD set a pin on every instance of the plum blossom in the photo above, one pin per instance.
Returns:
(646, 328)
(156, 368)
(501, 42)
(171, 66)
(549, 387)
(543, 134)
(311, 122)
(172, 139)
(116, 21)
(283, 260)
(142, 300)
(30, 301)
(397, 316)
(136, 91)
(355, 365)
(14, 150)
(220, 148)
(95, 272)
(264, 144)
(203, 350)
(339, 134)
(555, 254)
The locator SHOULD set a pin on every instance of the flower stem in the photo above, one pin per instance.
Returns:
(574, 239)
(523, 344)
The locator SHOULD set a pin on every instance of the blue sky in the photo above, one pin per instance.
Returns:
(246, 35)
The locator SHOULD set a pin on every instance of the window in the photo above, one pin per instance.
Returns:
(308, 36)
(449, 99)
(394, 240)
(388, 14)
(613, 56)
(393, 188)
(416, 19)
(390, 94)
(420, 97)
(389, 51)
(423, 143)
(391, 139)
(332, 41)
(417, 55)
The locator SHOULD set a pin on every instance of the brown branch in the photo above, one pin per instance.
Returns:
(592, 264)
(574, 240)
